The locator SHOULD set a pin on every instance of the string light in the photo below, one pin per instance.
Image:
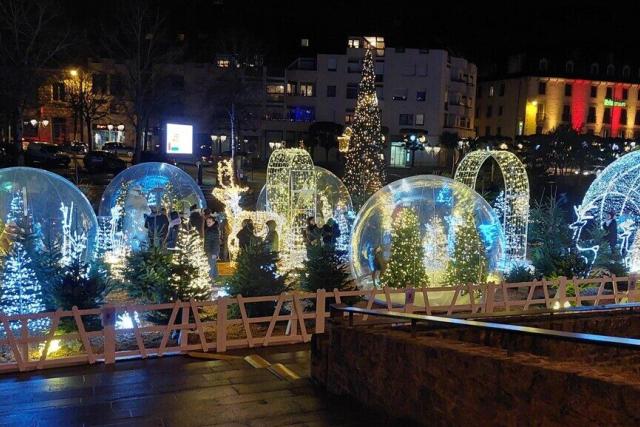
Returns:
(291, 191)
(365, 165)
(514, 207)
(260, 219)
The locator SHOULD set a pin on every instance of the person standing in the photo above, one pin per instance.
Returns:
(245, 236)
(157, 225)
(212, 245)
(610, 227)
(272, 240)
(313, 234)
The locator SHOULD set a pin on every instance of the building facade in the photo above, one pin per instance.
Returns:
(590, 97)
(421, 92)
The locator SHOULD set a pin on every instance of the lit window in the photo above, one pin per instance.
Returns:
(306, 89)
(491, 91)
(223, 63)
(304, 42)
(354, 43)
(419, 119)
(406, 119)
(421, 95)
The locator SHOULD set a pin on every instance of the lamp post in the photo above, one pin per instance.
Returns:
(110, 127)
(223, 138)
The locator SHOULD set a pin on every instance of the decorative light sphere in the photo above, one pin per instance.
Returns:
(56, 206)
(441, 205)
(134, 191)
(616, 190)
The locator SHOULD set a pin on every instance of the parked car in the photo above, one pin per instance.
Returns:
(118, 148)
(47, 155)
(75, 147)
(103, 162)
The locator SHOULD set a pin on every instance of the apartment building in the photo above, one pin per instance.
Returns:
(421, 92)
(537, 94)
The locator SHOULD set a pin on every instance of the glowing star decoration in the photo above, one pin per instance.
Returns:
(291, 193)
(365, 165)
(616, 190)
(515, 211)
(438, 226)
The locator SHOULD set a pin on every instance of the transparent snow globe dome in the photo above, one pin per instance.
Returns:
(441, 205)
(49, 206)
(136, 191)
(333, 201)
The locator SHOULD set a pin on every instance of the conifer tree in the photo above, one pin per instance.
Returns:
(468, 263)
(365, 165)
(189, 268)
(436, 249)
(325, 269)
(405, 267)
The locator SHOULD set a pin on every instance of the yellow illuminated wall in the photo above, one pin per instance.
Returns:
(531, 112)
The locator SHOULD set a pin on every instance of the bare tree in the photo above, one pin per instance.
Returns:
(137, 38)
(30, 39)
(89, 103)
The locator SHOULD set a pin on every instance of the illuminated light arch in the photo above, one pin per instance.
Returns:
(615, 190)
(291, 188)
(515, 218)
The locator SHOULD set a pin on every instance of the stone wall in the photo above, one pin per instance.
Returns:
(437, 380)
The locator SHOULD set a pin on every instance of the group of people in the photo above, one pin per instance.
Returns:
(163, 231)
(247, 237)
(325, 235)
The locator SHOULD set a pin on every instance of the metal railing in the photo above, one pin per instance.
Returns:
(414, 319)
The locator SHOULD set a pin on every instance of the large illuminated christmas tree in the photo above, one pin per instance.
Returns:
(21, 288)
(364, 171)
(405, 267)
(468, 263)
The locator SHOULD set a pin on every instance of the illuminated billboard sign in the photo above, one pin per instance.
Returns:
(179, 139)
(608, 102)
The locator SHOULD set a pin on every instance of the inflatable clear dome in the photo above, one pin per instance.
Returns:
(332, 202)
(615, 191)
(144, 189)
(48, 207)
(435, 211)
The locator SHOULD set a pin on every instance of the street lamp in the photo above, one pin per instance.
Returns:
(110, 127)
(73, 72)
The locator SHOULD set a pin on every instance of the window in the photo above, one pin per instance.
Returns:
(566, 113)
(591, 116)
(499, 131)
(623, 116)
(595, 69)
(543, 65)
(58, 128)
(348, 117)
(116, 86)
(406, 120)
(609, 93)
(99, 83)
(501, 93)
(306, 89)
(352, 91)
(568, 67)
(611, 70)
(304, 42)
(331, 91)
(419, 119)
(625, 93)
(626, 72)
(57, 91)
(379, 93)
(607, 116)
(301, 114)
(332, 64)
(500, 110)
(223, 63)
(542, 88)
(487, 130)
(400, 94)
(421, 95)
(292, 88)
(491, 91)
(568, 89)
(594, 91)
(354, 43)
(489, 110)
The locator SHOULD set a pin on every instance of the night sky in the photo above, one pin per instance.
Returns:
(481, 31)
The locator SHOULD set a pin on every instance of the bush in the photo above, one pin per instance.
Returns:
(256, 275)
(324, 269)
(519, 273)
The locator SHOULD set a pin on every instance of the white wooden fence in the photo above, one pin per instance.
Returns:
(207, 326)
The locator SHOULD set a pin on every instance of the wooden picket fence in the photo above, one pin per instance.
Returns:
(208, 326)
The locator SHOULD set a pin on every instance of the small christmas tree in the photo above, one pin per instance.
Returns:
(406, 264)
(469, 261)
(189, 268)
(365, 166)
(257, 275)
(325, 269)
(435, 245)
